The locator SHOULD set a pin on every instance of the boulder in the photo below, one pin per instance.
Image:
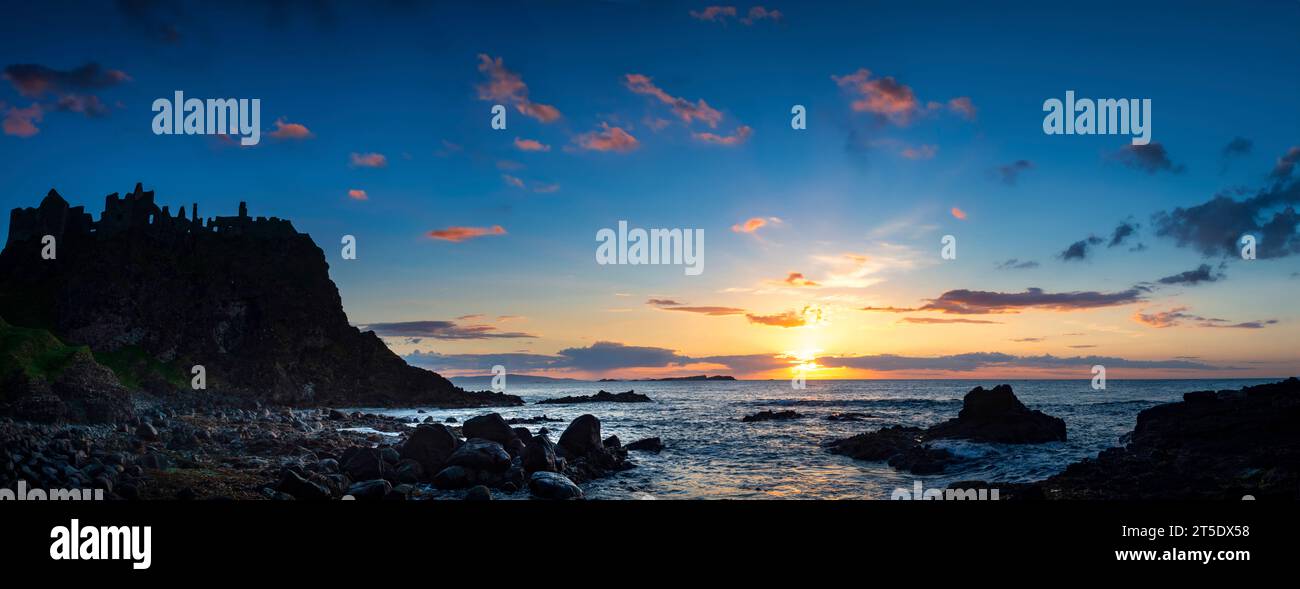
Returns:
(600, 397)
(550, 485)
(430, 445)
(539, 455)
(453, 477)
(478, 493)
(363, 464)
(489, 427)
(373, 490)
(480, 454)
(582, 436)
(998, 416)
(301, 488)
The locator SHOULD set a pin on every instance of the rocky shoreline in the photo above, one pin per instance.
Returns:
(307, 454)
(1215, 445)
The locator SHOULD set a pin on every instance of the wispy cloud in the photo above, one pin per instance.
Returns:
(608, 139)
(368, 160)
(444, 330)
(458, 234)
(506, 86)
(979, 302)
(684, 109)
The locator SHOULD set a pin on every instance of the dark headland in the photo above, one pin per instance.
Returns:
(151, 294)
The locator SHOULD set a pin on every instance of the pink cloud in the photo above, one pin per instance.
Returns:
(741, 135)
(714, 13)
(358, 194)
(608, 139)
(512, 181)
(922, 152)
(958, 213)
(686, 110)
(531, 145)
(459, 234)
(749, 226)
(963, 106)
(758, 13)
(369, 160)
(883, 96)
(504, 85)
(21, 122)
(285, 130)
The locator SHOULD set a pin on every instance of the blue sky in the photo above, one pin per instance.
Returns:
(402, 79)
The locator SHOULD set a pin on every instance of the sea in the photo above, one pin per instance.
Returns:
(711, 454)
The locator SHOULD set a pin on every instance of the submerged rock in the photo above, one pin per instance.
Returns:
(647, 445)
(772, 416)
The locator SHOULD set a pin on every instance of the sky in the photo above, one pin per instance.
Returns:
(823, 246)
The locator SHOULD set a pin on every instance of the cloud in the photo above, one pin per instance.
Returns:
(809, 315)
(1286, 164)
(531, 145)
(1179, 316)
(506, 86)
(1016, 264)
(712, 311)
(515, 361)
(797, 279)
(979, 302)
(608, 139)
(38, 81)
(285, 130)
(1010, 173)
(685, 110)
(512, 181)
(21, 122)
(758, 13)
(753, 224)
(1122, 232)
(545, 188)
(1028, 339)
(358, 194)
(920, 152)
(663, 303)
(1239, 146)
(368, 160)
(963, 106)
(714, 13)
(446, 330)
(1216, 226)
(977, 360)
(937, 320)
(602, 356)
(1079, 249)
(1193, 277)
(1149, 158)
(958, 213)
(885, 96)
(740, 136)
(459, 234)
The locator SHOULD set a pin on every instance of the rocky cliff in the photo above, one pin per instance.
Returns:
(249, 299)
